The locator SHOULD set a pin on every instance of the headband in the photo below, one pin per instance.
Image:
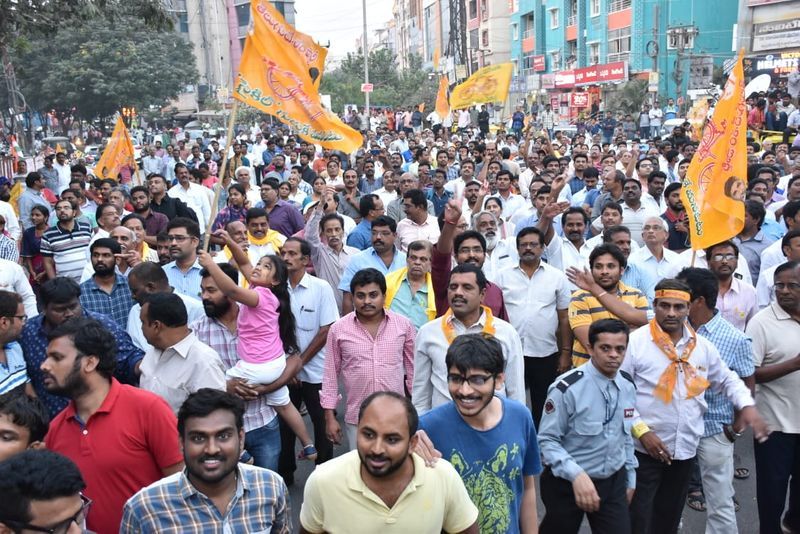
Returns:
(673, 294)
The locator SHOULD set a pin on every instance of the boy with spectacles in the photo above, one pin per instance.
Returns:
(13, 372)
(489, 439)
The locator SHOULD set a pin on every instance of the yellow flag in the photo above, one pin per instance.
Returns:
(714, 188)
(442, 106)
(59, 148)
(489, 84)
(279, 74)
(118, 153)
(16, 191)
(421, 107)
(697, 117)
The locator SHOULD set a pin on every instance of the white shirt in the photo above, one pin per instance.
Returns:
(12, 223)
(408, 231)
(430, 373)
(511, 205)
(64, 176)
(773, 255)
(634, 219)
(194, 310)
(678, 424)
(385, 196)
(197, 199)
(503, 256)
(562, 254)
(765, 288)
(664, 268)
(533, 304)
(658, 207)
(313, 306)
(742, 271)
(14, 279)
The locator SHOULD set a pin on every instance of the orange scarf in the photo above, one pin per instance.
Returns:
(450, 332)
(695, 384)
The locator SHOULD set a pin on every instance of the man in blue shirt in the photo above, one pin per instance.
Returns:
(489, 439)
(107, 291)
(12, 364)
(370, 207)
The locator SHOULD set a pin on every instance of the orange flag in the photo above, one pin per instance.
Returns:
(421, 107)
(279, 74)
(118, 153)
(714, 188)
(442, 105)
(489, 84)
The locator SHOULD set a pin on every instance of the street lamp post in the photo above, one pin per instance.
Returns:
(366, 59)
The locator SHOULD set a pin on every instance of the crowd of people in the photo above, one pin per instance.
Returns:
(472, 312)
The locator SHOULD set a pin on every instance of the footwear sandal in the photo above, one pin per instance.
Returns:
(741, 473)
(696, 501)
(309, 452)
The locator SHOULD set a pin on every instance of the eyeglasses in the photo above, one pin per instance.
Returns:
(794, 286)
(22, 318)
(723, 257)
(62, 528)
(178, 238)
(472, 380)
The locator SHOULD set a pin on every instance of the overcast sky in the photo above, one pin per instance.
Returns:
(340, 22)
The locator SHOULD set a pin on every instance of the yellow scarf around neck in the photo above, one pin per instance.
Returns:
(393, 281)
(695, 384)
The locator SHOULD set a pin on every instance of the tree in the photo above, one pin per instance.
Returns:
(628, 98)
(116, 63)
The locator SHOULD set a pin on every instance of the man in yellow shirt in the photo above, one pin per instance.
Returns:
(601, 295)
(382, 485)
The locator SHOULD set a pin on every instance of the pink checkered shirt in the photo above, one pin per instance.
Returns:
(364, 364)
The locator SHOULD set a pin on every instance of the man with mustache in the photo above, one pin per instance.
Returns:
(106, 425)
(500, 253)
(466, 315)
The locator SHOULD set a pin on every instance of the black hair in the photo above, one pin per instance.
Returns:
(417, 198)
(90, 338)
(332, 216)
(612, 205)
(271, 182)
(788, 266)
(465, 268)
(368, 276)
(670, 188)
(35, 475)
(726, 243)
(385, 220)
(787, 239)
(475, 351)
(280, 288)
(756, 211)
(237, 187)
(656, 174)
(411, 412)
(701, 283)
(106, 242)
(139, 189)
(32, 178)
(44, 210)
(192, 228)
(205, 401)
(255, 213)
(674, 284)
(528, 231)
(607, 326)
(59, 290)
(101, 209)
(27, 412)
(365, 205)
(469, 234)
(790, 209)
(305, 246)
(166, 308)
(132, 217)
(150, 272)
(9, 301)
(611, 231)
(231, 271)
(608, 248)
(574, 210)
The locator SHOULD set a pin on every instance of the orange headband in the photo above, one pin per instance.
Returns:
(673, 294)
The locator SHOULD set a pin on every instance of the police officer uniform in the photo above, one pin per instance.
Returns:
(586, 427)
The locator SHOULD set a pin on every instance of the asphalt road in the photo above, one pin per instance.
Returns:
(693, 522)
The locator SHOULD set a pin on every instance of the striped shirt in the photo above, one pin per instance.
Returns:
(736, 350)
(173, 504)
(13, 373)
(67, 248)
(584, 309)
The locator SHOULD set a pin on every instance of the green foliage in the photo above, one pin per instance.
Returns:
(393, 87)
(115, 63)
(628, 98)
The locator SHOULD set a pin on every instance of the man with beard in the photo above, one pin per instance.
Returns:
(613, 181)
(279, 170)
(672, 367)
(64, 245)
(776, 335)
(283, 216)
(634, 212)
(350, 197)
(383, 255)
(601, 295)
(500, 253)
(154, 222)
(480, 428)
(243, 498)
(217, 328)
(396, 208)
(106, 292)
(368, 183)
(314, 308)
(676, 218)
(537, 297)
(737, 301)
(633, 275)
(571, 250)
(383, 482)
(161, 202)
(466, 315)
(470, 247)
(107, 426)
(192, 194)
(175, 352)
(654, 199)
(162, 248)
(369, 349)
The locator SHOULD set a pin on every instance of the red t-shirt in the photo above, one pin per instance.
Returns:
(121, 449)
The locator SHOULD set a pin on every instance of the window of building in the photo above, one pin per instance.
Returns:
(473, 9)
(528, 28)
(594, 8)
(553, 18)
(572, 19)
(619, 44)
(183, 22)
(484, 10)
(485, 38)
(515, 32)
(618, 5)
(594, 53)
(680, 38)
(572, 54)
(280, 6)
(555, 61)
(242, 15)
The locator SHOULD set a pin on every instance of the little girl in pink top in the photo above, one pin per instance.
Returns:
(266, 330)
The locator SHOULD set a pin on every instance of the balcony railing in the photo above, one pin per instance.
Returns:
(572, 20)
(618, 5)
(528, 33)
(622, 56)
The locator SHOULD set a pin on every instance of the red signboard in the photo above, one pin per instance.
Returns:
(366, 87)
(565, 79)
(610, 72)
(538, 64)
(554, 102)
(579, 100)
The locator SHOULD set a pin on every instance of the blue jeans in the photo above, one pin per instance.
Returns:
(264, 444)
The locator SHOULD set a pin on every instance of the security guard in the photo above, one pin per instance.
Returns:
(585, 440)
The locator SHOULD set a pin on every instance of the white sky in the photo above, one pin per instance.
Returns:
(340, 22)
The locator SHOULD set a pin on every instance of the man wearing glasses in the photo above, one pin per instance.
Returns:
(184, 270)
(12, 362)
(42, 493)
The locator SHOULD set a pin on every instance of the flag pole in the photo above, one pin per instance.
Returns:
(221, 177)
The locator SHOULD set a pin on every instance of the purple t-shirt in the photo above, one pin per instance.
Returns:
(259, 333)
